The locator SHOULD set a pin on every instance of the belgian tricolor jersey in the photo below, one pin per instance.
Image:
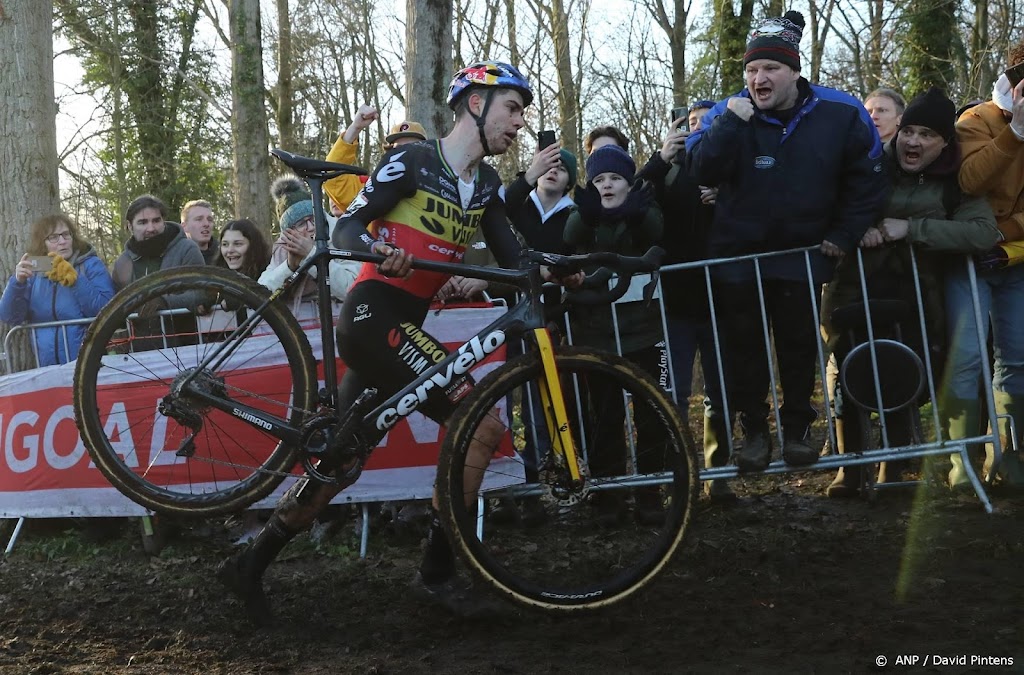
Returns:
(412, 201)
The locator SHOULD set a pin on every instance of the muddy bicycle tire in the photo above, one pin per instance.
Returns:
(570, 557)
(124, 375)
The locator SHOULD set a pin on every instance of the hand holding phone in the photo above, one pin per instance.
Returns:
(1015, 74)
(32, 264)
(680, 113)
(41, 264)
(545, 139)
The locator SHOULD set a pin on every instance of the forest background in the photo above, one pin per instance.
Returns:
(183, 98)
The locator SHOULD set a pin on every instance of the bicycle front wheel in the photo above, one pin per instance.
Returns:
(167, 449)
(575, 545)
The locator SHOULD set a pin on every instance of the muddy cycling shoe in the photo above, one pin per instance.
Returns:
(247, 587)
(457, 596)
(755, 455)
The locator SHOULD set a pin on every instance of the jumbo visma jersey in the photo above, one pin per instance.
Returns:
(412, 201)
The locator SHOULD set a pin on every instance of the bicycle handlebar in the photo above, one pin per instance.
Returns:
(593, 291)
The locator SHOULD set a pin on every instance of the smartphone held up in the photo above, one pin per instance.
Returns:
(1015, 74)
(545, 139)
(40, 263)
(680, 113)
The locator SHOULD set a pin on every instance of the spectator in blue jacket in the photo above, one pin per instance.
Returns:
(77, 287)
(796, 165)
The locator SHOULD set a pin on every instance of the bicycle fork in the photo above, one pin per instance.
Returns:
(553, 403)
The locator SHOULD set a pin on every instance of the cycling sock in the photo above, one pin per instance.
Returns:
(438, 562)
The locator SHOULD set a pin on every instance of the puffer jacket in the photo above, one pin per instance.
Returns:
(785, 185)
(943, 221)
(40, 300)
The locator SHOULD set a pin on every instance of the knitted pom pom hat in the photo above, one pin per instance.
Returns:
(293, 201)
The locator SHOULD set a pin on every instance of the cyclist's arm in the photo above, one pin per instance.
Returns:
(499, 236)
(393, 180)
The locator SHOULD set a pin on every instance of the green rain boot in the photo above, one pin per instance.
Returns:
(962, 418)
(1010, 473)
(716, 453)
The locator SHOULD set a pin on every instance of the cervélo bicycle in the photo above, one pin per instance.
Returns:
(229, 397)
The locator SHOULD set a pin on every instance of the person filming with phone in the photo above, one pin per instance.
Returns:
(991, 136)
(58, 279)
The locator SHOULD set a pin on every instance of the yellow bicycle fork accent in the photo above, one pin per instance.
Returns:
(553, 403)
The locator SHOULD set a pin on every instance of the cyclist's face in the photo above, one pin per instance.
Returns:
(504, 120)
(233, 247)
(147, 223)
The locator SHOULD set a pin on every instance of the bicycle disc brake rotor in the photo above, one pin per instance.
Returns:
(562, 489)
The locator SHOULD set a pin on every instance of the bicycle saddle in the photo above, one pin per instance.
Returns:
(307, 167)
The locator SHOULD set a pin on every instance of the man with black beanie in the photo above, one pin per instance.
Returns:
(796, 165)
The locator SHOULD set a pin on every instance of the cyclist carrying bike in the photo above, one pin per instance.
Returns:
(424, 200)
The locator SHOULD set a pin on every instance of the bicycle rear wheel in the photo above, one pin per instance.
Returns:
(584, 549)
(171, 452)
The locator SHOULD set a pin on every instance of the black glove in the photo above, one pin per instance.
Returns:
(588, 201)
(639, 199)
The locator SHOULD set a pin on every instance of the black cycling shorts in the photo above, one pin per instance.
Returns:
(383, 345)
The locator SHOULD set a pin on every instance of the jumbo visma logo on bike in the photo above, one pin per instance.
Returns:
(469, 354)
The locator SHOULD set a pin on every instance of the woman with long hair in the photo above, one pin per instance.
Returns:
(76, 286)
(243, 248)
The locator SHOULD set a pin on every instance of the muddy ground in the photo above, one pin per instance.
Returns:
(785, 581)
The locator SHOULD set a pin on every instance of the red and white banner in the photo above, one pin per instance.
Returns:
(46, 472)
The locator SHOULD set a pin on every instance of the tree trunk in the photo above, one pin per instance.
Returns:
(732, 42)
(285, 91)
(930, 45)
(249, 117)
(568, 110)
(874, 75)
(820, 22)
(676, 32)
(429, 59)
(980, 73)
(28, 144)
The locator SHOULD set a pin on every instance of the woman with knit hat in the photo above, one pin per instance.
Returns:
(927, 211)
(295, 243)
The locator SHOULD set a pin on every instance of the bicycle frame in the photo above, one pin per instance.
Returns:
(526, 315)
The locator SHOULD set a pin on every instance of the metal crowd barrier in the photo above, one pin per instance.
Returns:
(887, 452)
(306, 311)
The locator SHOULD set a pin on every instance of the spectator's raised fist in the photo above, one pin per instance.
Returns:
(742, 107)
(365, 116)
